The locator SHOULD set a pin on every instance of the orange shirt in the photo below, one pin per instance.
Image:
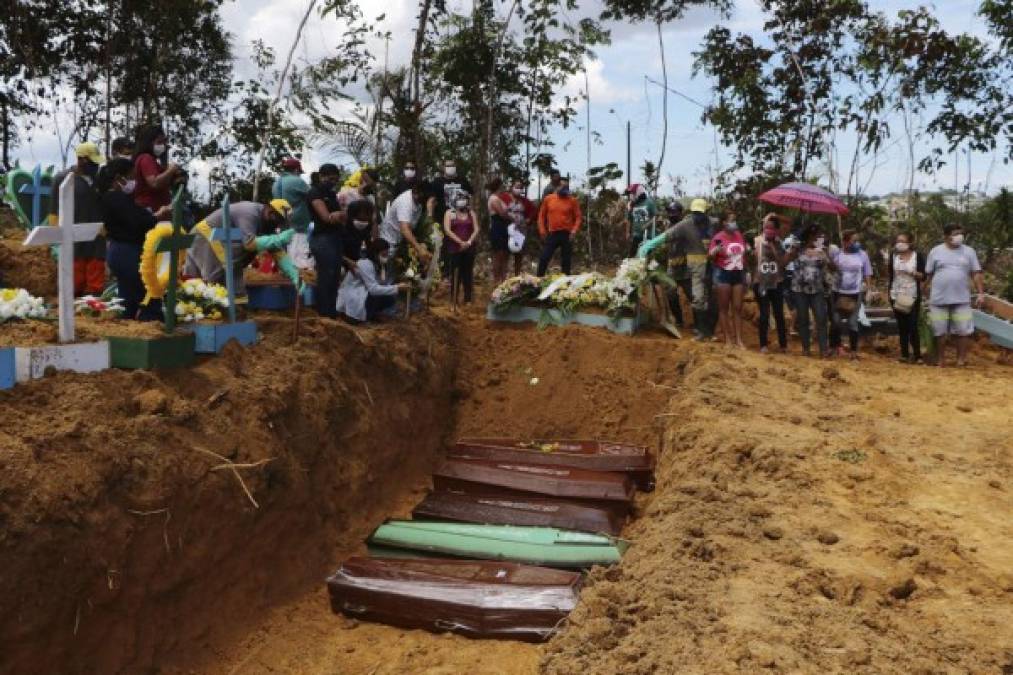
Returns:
(559, 213)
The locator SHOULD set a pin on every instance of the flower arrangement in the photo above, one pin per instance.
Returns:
(17, 303)
(155, 265)
(105, 306)
(516, 291)
(199, 300)
(567, 294)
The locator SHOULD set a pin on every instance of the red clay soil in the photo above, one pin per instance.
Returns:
(809, 516)
(33, 269)
(126, 540)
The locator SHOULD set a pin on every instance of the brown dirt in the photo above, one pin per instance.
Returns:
(121, 544)
(30, 268)
(809, 516)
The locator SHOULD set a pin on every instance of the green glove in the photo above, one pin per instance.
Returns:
(274, 242)
(651, 244)
(289, 269)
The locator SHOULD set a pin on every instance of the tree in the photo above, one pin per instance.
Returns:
(827, 68)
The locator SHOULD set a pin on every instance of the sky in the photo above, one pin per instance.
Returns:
(619, 92)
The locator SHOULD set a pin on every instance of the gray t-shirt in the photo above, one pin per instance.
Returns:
(684, 242)
(401, 210)
(951, 270)
(201, 260)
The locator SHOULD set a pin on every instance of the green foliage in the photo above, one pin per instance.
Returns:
(836, 67)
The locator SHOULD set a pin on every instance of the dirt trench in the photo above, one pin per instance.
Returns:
(128, 542)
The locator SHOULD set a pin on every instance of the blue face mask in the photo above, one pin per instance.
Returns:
(854, 248)
(564, 192)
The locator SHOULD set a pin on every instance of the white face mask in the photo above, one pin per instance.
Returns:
(902, 247)
(129, 186)
(409, 173)
(957, 239)
(360, 224)
(820, 242)
(383, 258)
(732, 226)
(519, 192)
(159, 149)
(461, 206)
(450, 171)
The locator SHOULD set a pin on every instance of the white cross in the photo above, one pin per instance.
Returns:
(64, 236)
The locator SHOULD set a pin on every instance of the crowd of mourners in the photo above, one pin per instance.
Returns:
(335, 226)
(811, 288)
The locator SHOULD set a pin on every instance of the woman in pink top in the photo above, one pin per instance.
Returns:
(460, 229)
(728, 252)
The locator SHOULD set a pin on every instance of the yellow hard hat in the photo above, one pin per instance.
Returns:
(698, 205)
(281, 206)
(89, 150)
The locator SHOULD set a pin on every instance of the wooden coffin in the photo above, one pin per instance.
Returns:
(547, 546)
(517, 510)
(471, 597)
(634, 460)
(597, 489)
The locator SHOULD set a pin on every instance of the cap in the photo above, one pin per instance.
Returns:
(674, 208)
(292, 164)
(89, 151)
(698, 205)
(281, 206)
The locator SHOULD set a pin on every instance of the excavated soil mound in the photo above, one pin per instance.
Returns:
(126, 536)
(33, 269)
(814, 517)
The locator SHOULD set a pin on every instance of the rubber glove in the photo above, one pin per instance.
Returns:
(274, 242)
(289, 269)
(651, 244)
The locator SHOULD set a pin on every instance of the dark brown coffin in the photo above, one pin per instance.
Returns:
(518, 510)
(597, 489)
(475, 598)
(634, 460)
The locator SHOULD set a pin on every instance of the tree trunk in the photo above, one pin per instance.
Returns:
(6, 122)
(266, 135)
(415, 87)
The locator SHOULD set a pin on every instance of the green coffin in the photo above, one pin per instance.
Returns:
(546, 546)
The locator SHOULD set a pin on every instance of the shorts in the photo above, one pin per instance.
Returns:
(499, 238)
(730, 277)
(951, 320)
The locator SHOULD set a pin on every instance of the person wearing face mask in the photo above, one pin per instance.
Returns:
(499, 225)
(126, 225)
(326, 240)
(367, 295)
(950, 269)
(408, 179)
(855, 275)
(357, 233)
(260, 225)
(155, 175)
(89, 256)
(640, 217)
(728, 251)
(291, 187)
(522, 213)
(558, 221)
(808, 288)
(461, 231)
(907, 270)
(555, 178)
(400, 221)
(769, 282)
(446, 187)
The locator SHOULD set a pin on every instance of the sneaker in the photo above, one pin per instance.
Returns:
(764, 350)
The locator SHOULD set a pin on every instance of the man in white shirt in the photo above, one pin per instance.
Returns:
(400, 220)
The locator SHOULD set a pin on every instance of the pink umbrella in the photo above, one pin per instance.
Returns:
(805, 197)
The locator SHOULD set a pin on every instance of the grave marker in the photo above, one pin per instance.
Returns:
(65, 235)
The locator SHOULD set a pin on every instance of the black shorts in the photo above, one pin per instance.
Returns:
(731, 277)
(498, 236)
